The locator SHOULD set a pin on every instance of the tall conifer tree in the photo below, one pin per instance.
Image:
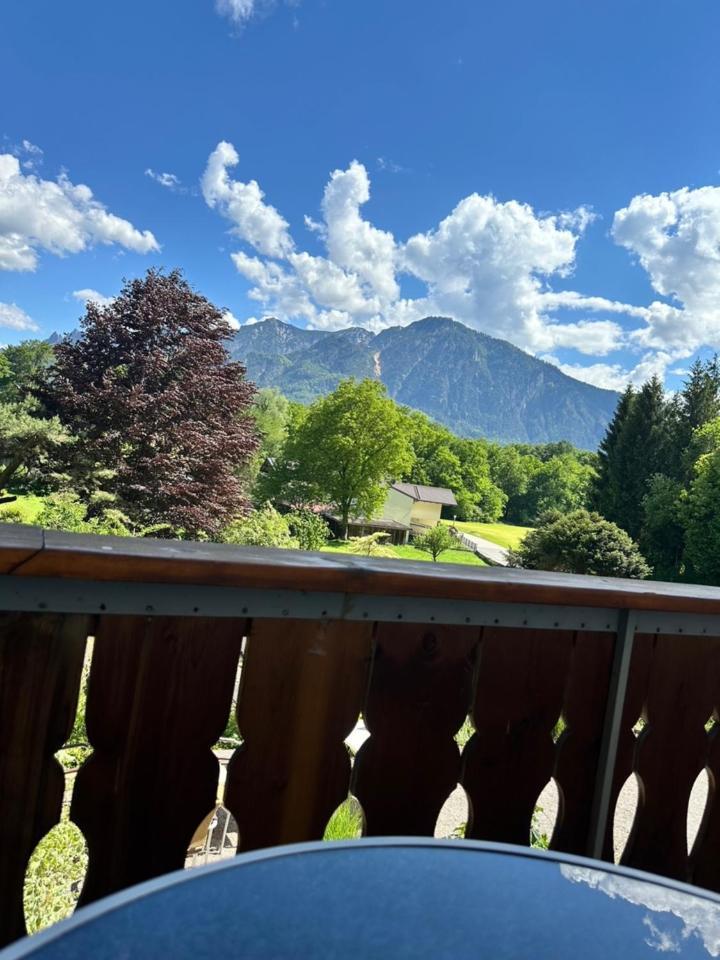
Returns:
(607, 493)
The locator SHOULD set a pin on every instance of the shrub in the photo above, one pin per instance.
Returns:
(11, 515)
(65, 511)
(435, 541)
(580, 542)
(262, 528)
(310, 530)
(371, 546)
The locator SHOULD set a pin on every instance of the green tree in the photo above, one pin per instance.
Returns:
(271, 411)
(511, 470)
(607, 491)
(29, 443)
(463, 466)
(580, 542)
(704, 439)
(261, 528)
(435, 541)
(350, 445)
(701, 514)
(560, 483)
(638, 445)
(310, 530)
(662, 534)
(22, 367)
(697, 404)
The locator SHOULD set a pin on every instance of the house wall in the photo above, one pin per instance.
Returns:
(398, 506)
(425, 514)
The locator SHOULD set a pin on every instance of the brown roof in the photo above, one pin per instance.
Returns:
(427, 494)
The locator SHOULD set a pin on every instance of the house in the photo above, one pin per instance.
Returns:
(417, 506)
(409, 508)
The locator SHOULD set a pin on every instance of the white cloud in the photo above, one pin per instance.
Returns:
(254, 221)
(353, 243)
(389, 166)
(490, 264)
(168, 180)
(29, 154)
(86, 295)
(239, 11)
(14, 318)
(486, 264)
(57, 216)
(596, 338)
(613, 376)
(676, 238)
(231, 320)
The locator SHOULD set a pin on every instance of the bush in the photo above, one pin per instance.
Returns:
(262, 528)
(65, 511)
(11, 515)
(371, 546)
(435, 542)
(310, 530)
(580, 542)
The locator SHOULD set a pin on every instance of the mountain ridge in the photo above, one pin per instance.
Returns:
(475, 384)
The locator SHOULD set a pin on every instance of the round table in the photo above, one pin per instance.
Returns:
(392, 898)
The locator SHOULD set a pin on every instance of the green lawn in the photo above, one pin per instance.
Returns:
(28, 504)
(412, 553)
(504, 534)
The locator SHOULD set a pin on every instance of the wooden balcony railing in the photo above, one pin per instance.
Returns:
(413, 647)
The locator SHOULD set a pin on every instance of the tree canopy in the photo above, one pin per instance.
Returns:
(580, 542)
(346, 450)
(160, 412)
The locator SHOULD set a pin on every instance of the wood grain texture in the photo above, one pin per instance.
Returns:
(419, 696)
(578, 748)
(41, 658)
(518, 700)
(18, 543)
(704, 859)
(159, 697)
(126, 559)
(672, 749)
(302, 688)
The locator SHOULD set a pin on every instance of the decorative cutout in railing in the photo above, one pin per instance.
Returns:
(413, 648)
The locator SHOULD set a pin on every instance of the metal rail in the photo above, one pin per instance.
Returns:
(54, 594)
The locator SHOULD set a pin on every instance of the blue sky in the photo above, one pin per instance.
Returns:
(545, 172)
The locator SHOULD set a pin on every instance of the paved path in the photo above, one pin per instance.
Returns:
(494, 554)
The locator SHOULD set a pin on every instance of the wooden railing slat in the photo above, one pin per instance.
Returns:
(302, 688)
(578, 749)
(419, 697)
(680, 696)
(41, 658)
(159, 696)
(518, 700)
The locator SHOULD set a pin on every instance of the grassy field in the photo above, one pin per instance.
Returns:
(28, 504)
(411, 553)
(504, 534)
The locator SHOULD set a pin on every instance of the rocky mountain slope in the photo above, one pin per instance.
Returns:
(475, 384)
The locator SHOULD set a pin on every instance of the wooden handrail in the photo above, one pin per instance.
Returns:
(30, 552)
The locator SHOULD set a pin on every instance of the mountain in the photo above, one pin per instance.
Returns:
(476, 385)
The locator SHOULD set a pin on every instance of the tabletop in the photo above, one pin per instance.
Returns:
(392, 898)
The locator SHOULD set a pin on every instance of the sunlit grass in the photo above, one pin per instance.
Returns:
(503, 534)
(27, 504)
(412, 553)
